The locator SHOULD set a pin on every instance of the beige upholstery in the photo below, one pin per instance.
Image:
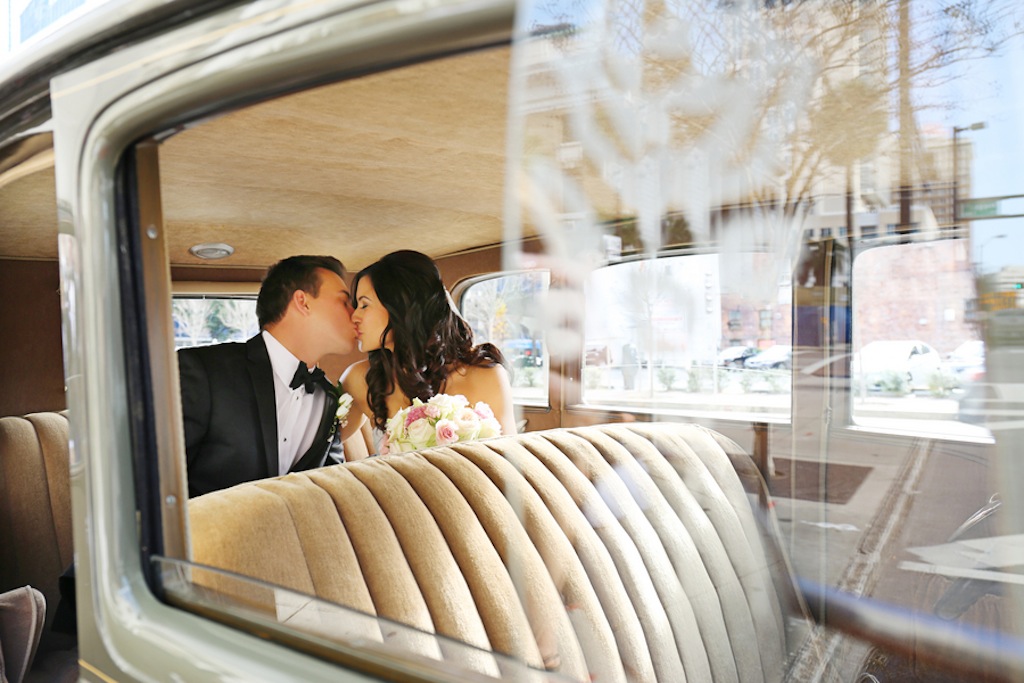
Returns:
(35, 504)
(608, 553)
(22, 612)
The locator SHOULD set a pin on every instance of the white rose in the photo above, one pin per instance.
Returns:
(420, 433)
(344, 405)
(448, 405)
(489, 427)
(467, 423)
(396, 426)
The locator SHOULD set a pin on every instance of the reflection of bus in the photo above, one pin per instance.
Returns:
(701, 526)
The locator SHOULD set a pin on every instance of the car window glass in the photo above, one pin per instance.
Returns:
(685, 333)
(901, 381)
(208, 320)
(503, 311)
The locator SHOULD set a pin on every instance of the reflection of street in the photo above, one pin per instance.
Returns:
(917, 493)
(912, 414)
(761, 406)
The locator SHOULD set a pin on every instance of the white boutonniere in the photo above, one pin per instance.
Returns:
(344, 405)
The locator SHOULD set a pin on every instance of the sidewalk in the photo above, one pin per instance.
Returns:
(777, 405)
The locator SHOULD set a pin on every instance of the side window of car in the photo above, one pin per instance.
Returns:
(503, 310)
(201, 320)
(906, 374)
(684, 333)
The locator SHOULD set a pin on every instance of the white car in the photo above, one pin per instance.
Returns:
(967, 362)
(911, 360)
(776, 357)
(735, 356)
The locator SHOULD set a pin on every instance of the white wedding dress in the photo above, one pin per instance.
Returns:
(378, 439)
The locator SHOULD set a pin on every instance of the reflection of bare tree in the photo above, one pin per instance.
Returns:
(191, 316)
(682, 107)
(647, 287)
(496, 308)
(485, 310)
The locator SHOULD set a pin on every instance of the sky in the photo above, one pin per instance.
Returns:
(992, 91)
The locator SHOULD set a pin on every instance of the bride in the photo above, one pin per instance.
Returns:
(418, 346)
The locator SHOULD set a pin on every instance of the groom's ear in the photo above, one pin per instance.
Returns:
(300, 299)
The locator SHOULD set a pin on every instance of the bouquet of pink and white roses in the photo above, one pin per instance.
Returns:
(441, 421)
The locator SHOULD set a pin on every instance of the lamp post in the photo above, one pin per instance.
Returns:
(981, 250)
(956, 169)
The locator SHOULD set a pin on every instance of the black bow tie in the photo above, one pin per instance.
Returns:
(303, 377)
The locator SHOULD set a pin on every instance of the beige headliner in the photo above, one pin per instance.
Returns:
(407, 158)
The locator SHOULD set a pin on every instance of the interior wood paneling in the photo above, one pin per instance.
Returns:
(213, 273)
(31, 361)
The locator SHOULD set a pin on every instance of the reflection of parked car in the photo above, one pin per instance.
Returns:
(967, 362)
(524, 353)
(778, 356)
(735, 356)
(907, 359)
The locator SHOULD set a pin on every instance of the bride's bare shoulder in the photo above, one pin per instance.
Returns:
(354, 376)
(469, 377)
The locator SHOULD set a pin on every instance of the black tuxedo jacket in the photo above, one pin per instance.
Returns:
(230, 414)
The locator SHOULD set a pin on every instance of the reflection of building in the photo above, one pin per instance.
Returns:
(911, 292)
(875, 195)
(937, 189)
(38, 14)
(870, 224)
(748, 319)
(1011, 279)
(760, 326)
(21, 20)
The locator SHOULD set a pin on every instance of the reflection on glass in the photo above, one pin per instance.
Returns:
(917, 337)
(351, 637)
(675, 333)
(867, 154)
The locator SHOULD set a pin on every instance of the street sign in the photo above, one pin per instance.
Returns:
(979, 208)
(987, 208)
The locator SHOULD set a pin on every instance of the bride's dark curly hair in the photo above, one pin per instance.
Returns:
(431, 340)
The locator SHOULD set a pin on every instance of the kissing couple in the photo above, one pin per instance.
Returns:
(264, 407)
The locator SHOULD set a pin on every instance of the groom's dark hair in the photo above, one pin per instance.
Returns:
(288, 276)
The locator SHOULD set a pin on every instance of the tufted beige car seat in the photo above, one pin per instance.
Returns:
(607, 553)
(35, 504)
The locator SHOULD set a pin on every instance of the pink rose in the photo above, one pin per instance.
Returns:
(447, 432)
(415, 413)
(483, 410)
(432, 411)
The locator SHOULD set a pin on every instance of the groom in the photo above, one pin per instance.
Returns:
(261, 408)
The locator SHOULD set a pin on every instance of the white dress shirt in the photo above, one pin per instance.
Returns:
(298, 413)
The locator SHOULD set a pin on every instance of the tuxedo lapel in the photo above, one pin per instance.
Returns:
(261, 375)
(314, 457)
